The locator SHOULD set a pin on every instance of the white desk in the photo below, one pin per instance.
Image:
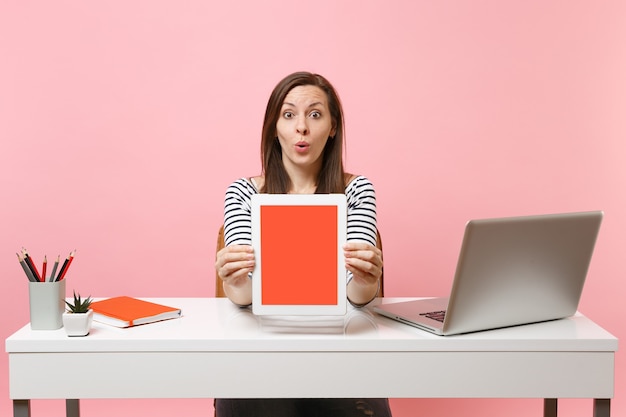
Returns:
(192, 357)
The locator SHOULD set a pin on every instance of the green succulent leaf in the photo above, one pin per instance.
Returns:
(80, 305)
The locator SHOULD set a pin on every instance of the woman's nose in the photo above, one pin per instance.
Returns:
(302, 127)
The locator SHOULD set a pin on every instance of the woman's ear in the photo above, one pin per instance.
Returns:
(333, 131)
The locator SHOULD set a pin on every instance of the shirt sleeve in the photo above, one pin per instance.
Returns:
(361, 199)
(238, 213)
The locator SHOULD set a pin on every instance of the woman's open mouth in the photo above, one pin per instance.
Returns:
(302, 146)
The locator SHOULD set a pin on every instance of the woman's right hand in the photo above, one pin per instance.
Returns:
(232, 264)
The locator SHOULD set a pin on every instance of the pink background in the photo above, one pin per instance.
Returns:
(122, 123)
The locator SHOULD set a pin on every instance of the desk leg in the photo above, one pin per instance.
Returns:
(21, 408)
(72, 408)
(601, 407)
(550, 406)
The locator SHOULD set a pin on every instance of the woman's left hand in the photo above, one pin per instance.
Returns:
(364, 261)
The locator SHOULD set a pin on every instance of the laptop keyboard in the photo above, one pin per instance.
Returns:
(435, 315)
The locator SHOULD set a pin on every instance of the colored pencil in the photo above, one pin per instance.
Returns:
(65, 266)
(43, 268)
(31, 265)
(54, 268)
(27, 270)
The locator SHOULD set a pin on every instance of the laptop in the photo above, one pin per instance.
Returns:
(510, 271)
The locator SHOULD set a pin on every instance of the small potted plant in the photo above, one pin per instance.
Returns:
(78, 316)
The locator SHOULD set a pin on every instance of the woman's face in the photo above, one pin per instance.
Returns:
(303, 127)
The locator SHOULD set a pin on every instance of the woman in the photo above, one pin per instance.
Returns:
(301, 149)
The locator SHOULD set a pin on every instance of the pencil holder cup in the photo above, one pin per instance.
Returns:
(47, 304)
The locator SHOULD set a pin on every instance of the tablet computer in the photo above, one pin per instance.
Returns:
(300, 268)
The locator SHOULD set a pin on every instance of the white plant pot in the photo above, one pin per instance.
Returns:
(77, 324)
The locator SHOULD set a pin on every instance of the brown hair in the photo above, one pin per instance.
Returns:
(331, 176)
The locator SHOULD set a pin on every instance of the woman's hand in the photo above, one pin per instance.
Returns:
(366, 264)
(232, 264)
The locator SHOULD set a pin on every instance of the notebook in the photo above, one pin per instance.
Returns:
(127, 311)
(510, 271)
(298, 239)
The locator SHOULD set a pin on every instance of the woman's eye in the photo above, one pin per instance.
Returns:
(315, 114)
(287, 115)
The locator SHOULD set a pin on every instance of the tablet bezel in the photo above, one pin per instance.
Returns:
(301, 200)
